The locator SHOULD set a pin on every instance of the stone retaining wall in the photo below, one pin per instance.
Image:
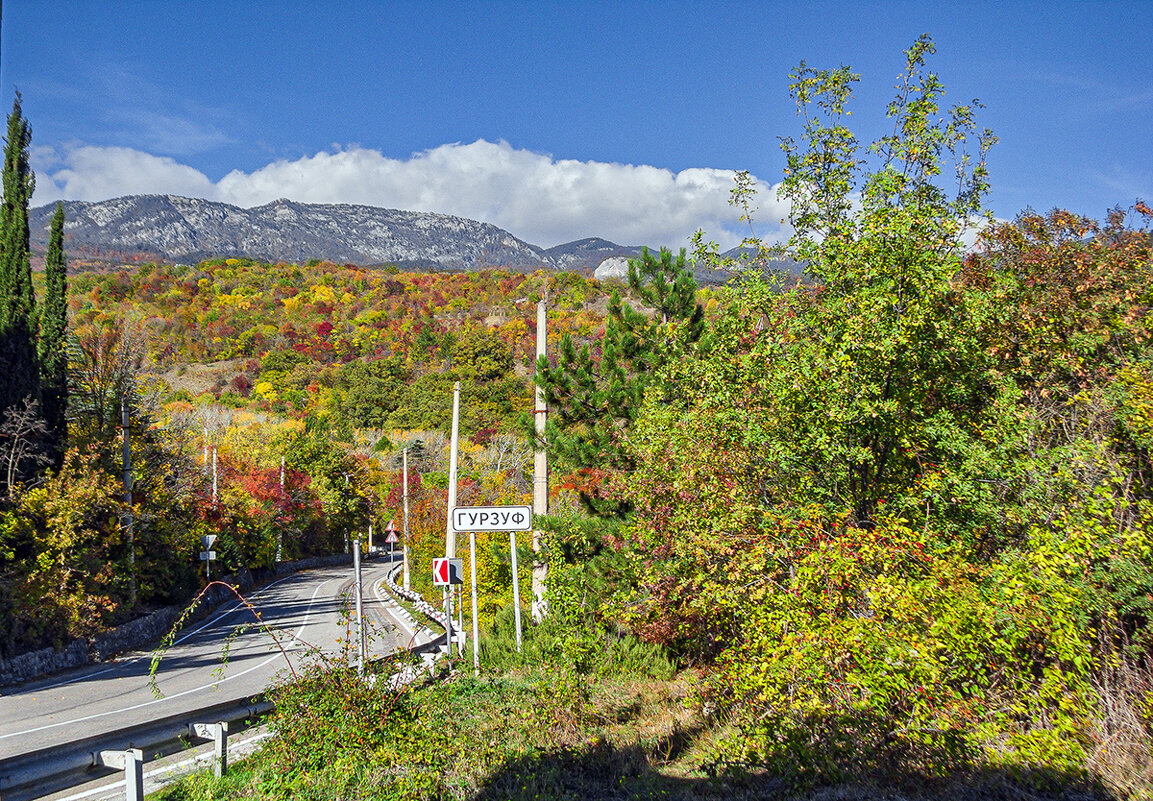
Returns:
(143, 632)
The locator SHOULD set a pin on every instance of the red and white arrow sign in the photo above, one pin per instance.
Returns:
(440, 572)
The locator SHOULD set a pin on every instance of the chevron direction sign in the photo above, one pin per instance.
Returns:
(447, 571)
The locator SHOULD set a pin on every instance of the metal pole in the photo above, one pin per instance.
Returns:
(540, 470)
(360, 635)
(460, 621)
(475, 623)
(448, 620)
(404, 545)
(515, 588)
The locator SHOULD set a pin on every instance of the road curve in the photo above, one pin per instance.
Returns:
(310, 612)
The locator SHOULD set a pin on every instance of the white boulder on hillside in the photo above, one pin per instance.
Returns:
(613, 267)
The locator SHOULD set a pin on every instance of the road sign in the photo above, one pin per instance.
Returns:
(447, 571)
(491, 518)
(207, 541)
(392, 539)
(207, 556)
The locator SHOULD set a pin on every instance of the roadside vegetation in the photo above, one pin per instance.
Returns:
(885, 533)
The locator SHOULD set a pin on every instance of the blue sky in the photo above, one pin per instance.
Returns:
(554, 120)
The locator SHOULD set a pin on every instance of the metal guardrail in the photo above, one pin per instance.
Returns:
(47, 770)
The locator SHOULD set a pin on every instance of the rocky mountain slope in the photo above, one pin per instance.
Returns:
(171, 229)
(179, 229)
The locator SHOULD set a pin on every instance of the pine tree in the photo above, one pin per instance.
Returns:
(53, 333)
(592, 402)
(18, 323)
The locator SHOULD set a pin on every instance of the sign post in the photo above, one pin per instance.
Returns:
(392, 539)
(445, 573)
(475, 519)
(207, 555)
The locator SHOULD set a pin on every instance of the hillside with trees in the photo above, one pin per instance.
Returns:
(885, 533)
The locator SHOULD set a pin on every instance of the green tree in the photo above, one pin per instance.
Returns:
(17, 301)
(53, 333)
(594, 398)
(481, 356)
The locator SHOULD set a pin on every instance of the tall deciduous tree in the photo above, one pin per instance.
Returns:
(53, 332)
(18, 363)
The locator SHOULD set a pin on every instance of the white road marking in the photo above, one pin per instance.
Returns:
(272, 658)
(221, 616)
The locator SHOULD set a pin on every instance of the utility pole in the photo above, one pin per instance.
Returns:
(404, 543)
(540, 470)
(128, 523)
(360, 635)
(280, 529)
(450, 532)
(214, 475)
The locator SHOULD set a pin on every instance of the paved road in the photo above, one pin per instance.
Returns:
(309, 610)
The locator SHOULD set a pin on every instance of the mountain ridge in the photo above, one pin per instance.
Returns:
(178, 229)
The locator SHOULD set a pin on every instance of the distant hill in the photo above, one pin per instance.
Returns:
(179, 229)
(173, 229)
(584, 254)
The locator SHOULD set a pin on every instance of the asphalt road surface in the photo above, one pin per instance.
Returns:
(309, 610)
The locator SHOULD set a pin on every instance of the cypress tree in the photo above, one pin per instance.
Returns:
(53, 331)
(18, 324)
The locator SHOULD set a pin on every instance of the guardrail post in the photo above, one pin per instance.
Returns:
(218, 733)
(131, 760)
(133, 774)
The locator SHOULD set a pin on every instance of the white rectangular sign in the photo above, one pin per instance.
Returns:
(491, 518)
(207, 556)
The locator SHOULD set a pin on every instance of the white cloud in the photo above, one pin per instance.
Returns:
(540, 199)
(101, 173)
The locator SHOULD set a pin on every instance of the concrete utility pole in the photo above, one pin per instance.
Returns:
(129, 534)
(346, 530)
(450, 532)
(540, 471)
(362, 643)
(404, 543)
(214, 475)
(280, 529)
